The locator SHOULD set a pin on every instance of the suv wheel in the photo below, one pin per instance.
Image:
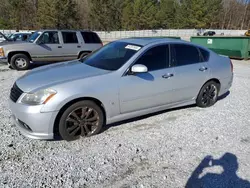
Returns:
(84, 118)
(20, 62)
(82, 55)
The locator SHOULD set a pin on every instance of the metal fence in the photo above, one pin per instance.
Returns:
(183, 33)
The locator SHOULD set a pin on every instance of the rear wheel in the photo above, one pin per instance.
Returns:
(208, 95)
(82, 119)
(20, 62)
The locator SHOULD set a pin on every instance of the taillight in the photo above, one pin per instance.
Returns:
(232, 66)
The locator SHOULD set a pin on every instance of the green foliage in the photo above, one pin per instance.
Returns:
(140, 14)
(60, 14)
(105, 14)
(168, 13)
(123, 14)
(199, 13)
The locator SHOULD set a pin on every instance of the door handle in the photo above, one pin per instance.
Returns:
(203, 69)
(78, 46)
(166, 76)
(59, 46)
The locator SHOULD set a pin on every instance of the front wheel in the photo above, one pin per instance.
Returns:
(208, 95)
(20, 62)
(82, 119)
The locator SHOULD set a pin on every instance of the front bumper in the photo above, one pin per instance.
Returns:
(3, 60)
(31, 122)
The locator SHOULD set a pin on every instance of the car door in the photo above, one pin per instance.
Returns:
(48, 47)
(71, 45)
(191, 71)
(146, 90)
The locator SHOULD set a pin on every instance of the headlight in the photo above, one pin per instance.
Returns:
(39, 97)
(1, 52)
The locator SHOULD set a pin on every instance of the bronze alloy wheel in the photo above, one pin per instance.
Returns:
(83, 118)
(82, 121)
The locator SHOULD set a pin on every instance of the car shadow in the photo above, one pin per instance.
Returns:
(228, 178)
(108, 126)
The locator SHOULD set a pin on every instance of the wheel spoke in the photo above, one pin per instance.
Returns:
(86, 128)
(75, 115)
(93, 119)
(83, 132)
(90, 110)
(73, 133)
(70, 129)
(69, 119)
(83, 112)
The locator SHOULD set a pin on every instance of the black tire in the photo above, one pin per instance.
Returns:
(72, 127)
(20, 62)
(83, 54)
(208, 95)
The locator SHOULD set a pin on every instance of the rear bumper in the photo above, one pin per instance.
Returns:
(226, 84)
(31, 122)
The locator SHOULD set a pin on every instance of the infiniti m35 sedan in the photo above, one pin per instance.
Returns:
(124, 79)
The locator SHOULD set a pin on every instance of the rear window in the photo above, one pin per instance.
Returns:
(205, 54)
(90, 37)
(69, 37)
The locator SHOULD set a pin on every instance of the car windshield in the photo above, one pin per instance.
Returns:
(12, 36)
(112, 56)
(34, 36)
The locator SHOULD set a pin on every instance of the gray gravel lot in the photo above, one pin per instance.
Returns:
(161, 150)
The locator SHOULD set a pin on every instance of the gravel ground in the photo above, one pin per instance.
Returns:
(161, 150)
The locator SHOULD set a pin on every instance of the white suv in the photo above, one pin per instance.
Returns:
(50, 46)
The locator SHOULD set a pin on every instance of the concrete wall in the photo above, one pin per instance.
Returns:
(184, 33)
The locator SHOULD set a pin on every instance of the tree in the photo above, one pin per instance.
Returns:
(140, 14)
(168, 13)
(199, 13)
(106, 14)
(60, 14)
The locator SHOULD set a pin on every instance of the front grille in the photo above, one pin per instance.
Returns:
(15, 93)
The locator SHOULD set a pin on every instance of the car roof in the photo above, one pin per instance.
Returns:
(144, 41)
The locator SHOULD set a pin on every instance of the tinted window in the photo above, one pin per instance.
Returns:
(112, 56)
(49, 37)
(90, 37)
(69, 37)
(185, 54)
(155, 58)
(205, 54)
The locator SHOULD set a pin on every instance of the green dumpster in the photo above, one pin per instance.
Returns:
(235, 47)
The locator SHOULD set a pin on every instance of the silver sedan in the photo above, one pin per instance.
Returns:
(122, 80)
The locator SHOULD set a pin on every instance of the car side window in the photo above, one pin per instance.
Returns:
(70, 37)
(49, 37)
(155, 58)
(185, 54)
(90, 37)
(204, 54)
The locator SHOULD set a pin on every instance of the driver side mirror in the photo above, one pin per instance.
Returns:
(139, 68)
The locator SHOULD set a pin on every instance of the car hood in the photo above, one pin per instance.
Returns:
(50, 75)
(4, 43)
